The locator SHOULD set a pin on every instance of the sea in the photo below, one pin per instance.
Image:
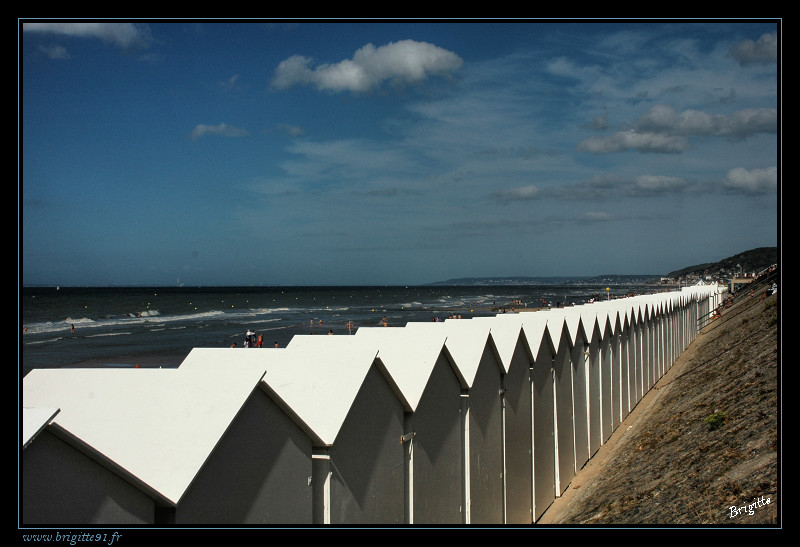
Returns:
(159, 326)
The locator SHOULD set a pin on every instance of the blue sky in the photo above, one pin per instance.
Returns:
(327, 153)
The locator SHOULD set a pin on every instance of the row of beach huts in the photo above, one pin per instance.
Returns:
(465, 421)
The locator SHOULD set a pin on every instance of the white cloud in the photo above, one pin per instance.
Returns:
(665, 119)
(222, 129)
(54, 52)
(231, 84)
(613, 187)
(406, 61)
(762, 52)
(124, 35)
(603, 187)
(633, 140)
(755, 181)
(663, 129)
(752, 120)
(521, 193)
(567, 68)
(341, 162)
(291, 130)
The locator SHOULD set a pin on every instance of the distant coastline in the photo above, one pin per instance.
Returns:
(610, 279)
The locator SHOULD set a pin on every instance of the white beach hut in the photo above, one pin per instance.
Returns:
(666, 333)
(638, 372)
(661, 327)
(594, 376)
(474, 352)
(332, 390)
(645, 321)
(538, 338)
(143, 446)
(564, 419)
(607, 325)
(666, 320)
(63, 483)
(673, 330)
(706, 299)
(627, 372)
(540, 335)
(684, 316)
(479, 371)
(692, 316)
(643, 345)
(658, 336)
(34, 420)
(635, 353)
(581, 380)
(427, 383)
(516, 358)
(612, 349)
(648, 332)
(655, 337)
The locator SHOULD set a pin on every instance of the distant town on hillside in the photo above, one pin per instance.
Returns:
(745, 264)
